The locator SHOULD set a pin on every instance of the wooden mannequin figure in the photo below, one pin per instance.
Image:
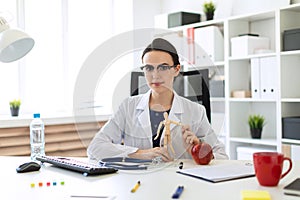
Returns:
(167, 131)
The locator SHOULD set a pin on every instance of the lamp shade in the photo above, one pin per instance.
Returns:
(14, 43)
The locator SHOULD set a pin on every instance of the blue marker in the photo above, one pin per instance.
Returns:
(178, 192)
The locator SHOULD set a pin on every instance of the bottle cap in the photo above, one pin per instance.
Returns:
(36, 115)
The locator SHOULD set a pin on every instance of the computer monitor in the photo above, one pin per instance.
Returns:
(193, 85)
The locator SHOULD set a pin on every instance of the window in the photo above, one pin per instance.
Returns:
(9, 72)
(43, 82)
(65, 33)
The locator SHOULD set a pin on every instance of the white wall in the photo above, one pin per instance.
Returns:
(176, 5)
(245, 6)
(224, 8)
(144, 12)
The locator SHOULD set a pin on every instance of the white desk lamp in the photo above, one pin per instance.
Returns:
(14, 44)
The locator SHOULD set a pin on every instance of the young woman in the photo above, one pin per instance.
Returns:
(132, 130)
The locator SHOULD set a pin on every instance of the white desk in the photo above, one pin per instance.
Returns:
(155, 184)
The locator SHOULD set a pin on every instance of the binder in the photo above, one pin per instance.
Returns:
(211, 40)
(264, 78)
(268, 77)
(255, 78)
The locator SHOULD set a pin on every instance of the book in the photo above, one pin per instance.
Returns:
(220, 172)
(293, 188)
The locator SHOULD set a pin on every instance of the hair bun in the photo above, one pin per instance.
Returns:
(160, 44)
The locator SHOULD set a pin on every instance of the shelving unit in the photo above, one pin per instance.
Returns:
(289, 68)
(237, 72)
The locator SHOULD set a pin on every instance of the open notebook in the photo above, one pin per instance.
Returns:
(221, 172)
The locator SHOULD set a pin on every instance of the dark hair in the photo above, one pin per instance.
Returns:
(160, 44)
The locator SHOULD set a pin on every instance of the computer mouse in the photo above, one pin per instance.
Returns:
(28, 167)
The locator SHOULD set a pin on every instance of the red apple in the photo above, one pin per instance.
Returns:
(202, 153)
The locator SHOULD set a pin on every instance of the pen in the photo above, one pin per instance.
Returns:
(178, 192)
(122, 139)
(137, 185)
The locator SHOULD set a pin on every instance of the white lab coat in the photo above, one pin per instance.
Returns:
(132, 120)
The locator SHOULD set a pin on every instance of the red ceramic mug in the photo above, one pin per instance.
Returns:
(268, 167)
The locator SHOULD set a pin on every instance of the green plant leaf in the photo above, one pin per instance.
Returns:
(16, 103)
(256, 121)
(209, 7)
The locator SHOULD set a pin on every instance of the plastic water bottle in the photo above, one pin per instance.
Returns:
(37, 137)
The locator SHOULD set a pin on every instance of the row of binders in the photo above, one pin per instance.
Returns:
(263, 69)
(264, 78)
(206, 45)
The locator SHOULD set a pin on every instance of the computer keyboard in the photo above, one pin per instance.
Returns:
(75, 165)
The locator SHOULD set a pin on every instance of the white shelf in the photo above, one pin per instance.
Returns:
(254, 16)
(290, 100)
(217, 99)
(292, 7)
(252, 56)
(286, 69)
(215, 22)
(237, 75)
(290, 141)
(219, 63)
(215, 65)
(288, 53)
(252, 100)
(267, 142)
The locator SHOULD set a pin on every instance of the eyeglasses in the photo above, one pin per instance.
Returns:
(159, 68)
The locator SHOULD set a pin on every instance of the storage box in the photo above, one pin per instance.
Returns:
(241, 94)
(246, 153)
(182, 18)
(291, 40)
(247, 45)
(291, 127)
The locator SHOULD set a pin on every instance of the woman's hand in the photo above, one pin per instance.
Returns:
(189, 138)
(152, 153)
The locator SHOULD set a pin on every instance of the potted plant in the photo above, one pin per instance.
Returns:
(209, 10)
(15, 107)
(256, 123)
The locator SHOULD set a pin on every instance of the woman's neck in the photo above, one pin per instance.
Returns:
(161, 101)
